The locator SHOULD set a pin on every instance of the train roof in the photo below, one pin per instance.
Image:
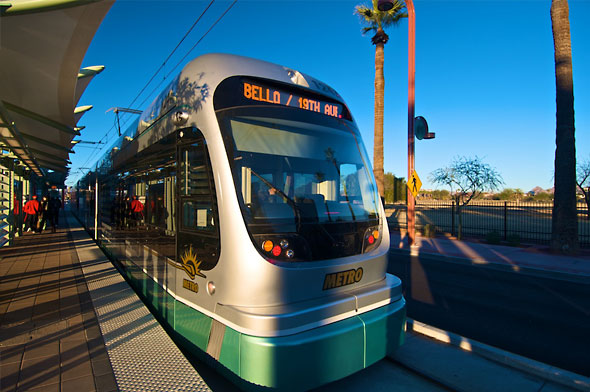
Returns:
(216, 67)
(196, 84)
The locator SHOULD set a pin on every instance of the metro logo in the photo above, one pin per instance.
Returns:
(192, 286)
(343, 278)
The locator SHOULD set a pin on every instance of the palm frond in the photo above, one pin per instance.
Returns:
(365, 13)
(365, 30)
(375, 19)
(394, 15)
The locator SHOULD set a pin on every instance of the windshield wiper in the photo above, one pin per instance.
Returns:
(292, 203)
(289, 201)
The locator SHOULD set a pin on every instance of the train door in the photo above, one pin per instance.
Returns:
(198, 242)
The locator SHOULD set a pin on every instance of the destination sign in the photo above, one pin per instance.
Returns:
(261, 93)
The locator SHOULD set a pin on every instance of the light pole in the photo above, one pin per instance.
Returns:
(386, 5)
(411, 211)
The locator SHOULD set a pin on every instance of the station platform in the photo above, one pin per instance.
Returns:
(70, 322)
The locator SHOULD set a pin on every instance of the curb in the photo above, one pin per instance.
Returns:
(527, 365)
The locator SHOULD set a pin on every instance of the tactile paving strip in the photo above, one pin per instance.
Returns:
(142, 355)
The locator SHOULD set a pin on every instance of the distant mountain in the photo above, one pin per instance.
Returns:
(536, 190)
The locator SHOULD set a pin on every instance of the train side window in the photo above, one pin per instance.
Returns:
(197, 190)
(198, 214)
(195, 171)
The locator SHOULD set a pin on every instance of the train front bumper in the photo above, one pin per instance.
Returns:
(317, 356)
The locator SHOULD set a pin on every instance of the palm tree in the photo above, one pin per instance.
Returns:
(564, 236)
(377, 21)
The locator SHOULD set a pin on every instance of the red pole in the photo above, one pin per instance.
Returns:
(411, 212)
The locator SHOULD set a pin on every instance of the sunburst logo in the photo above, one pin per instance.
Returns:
(190, 264)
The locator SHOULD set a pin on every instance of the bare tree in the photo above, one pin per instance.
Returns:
(583, 182)
(468, 178)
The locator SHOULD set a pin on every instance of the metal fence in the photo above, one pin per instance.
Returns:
(517, 222)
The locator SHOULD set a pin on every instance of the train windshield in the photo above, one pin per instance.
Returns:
(303, 181)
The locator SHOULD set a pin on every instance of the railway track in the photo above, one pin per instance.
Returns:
(385, 376)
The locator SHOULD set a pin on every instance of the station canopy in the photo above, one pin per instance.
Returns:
(42, 45)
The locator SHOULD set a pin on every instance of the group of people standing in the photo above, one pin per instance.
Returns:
(127, 212)
(38, 213)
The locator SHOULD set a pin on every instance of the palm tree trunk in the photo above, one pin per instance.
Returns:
(379, 104)
(564, 236)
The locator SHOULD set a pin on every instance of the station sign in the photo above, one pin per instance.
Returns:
(263, 93)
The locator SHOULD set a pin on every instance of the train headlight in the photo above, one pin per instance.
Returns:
(283, 247)
(276, 251)
(371, 239)
(179, 118)
(267, 246)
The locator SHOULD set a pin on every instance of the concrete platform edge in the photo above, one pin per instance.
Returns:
(527, 365)
(142, 355)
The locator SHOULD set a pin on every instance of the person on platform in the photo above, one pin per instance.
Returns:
(137, 211)
(54, 207)
(42, 214)
(127, 213)
(31, 209)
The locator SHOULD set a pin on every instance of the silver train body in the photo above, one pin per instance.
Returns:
(243, 280)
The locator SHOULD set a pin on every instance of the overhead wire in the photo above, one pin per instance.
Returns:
(163, 63)
(171, 53)
(187, 53)
(98, 149)
(93, 147)
(106, 135)
(190, 50)
(126, 120)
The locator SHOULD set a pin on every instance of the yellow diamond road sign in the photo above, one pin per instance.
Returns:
(414, 184)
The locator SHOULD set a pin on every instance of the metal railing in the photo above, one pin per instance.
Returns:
(509, 221)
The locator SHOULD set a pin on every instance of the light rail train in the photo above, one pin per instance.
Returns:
(242, 207)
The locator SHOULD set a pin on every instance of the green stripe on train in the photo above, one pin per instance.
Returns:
(321, 355)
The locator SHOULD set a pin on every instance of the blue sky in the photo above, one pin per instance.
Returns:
(484, 72)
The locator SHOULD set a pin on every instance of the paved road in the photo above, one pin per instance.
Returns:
(538, 316)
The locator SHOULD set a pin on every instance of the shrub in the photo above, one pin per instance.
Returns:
(429, 230)
(513, 240)
(493, 237)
